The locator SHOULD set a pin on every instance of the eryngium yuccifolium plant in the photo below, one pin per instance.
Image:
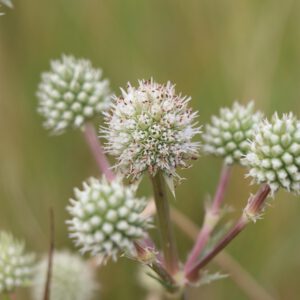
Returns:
(72, 278)
(274, 155)
(15, 264)
(151, 128)
(228, 134)
(106, 218)
(71, 93)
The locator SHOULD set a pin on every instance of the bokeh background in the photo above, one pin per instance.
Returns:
(215, 51)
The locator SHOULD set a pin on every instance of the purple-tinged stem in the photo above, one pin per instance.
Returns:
(97, 151)
(254, 208)
(210, 220)
(222, 186)
(238, 274)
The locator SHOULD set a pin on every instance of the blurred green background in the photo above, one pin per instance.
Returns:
(215, 51)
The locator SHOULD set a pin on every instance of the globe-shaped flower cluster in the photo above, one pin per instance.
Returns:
(228, 134)
(71, 93)
(274, 155)
(16, 266)
(72, 278)
(151, 128)
(106, 218)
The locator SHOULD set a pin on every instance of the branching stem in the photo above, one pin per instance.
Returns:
(210, 220)
(254, 208)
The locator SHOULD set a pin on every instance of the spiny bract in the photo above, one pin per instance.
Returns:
(106, 218)
(151, 128)
(71, 93)
(228, 134)
(15, 265)
(72, 278)
(274, 155)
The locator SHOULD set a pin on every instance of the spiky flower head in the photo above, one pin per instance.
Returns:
(151, 128)
(72, 278)
(228, 134)
(15, 264)
(71, 93)
(274, 155)
(106, 218)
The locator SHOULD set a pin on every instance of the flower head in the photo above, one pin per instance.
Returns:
(228, 134)
(106, 218)
(274, 155)
(71, 93)
(151, 128)
(15, 264)
(72, 278)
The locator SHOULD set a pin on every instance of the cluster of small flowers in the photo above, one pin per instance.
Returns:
(72, 278)
(71, 93)
(228, 135)
(269, 149)
(151, 128)
(274, 155)
(106, 218)
(16, 266)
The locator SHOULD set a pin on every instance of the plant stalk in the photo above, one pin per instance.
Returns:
(211, 218)
(97, 151)
(165, 225)
(253, 209)
(50, 257)
(238, 274)
(222, 186)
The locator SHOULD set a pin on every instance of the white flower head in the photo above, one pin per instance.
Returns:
(16, 266)
(72, 278)
(228, 134)
(274, 155)
(151, 128)
(106, 218)
(71, 93)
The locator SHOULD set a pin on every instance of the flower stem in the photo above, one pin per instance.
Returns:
(222, 186)
(238, 274)
(254, 207)
(97, 150)
(210, 220)
(165, 225)
(50, 258)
